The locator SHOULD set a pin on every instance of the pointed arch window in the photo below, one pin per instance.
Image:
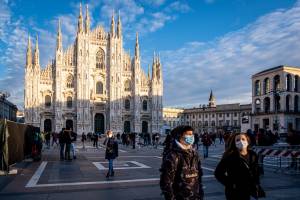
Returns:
(100, 58)
(69, 102)
(127, 104)
(127, 86)
(47, 101)
(70, 81)
(145, 105)
(99, 87)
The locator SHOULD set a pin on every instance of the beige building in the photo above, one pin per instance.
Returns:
(275, 99)
(213, 117)
(171, 117)
(93, 85)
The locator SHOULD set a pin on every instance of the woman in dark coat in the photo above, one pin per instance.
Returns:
(111, 152)
(238, 170)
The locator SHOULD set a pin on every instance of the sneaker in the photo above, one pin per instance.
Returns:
(107, 175)
(112, 173)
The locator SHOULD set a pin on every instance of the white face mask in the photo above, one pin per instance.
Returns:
(241, 144)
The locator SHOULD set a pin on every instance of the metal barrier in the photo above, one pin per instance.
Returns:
(281, 158)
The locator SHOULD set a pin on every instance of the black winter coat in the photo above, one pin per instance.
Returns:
(181, 175)
(240, 176)
(111, 151)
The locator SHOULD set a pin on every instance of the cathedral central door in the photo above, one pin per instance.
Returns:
(99, 123)
(69, 124)
(47, 125)
(144, 127)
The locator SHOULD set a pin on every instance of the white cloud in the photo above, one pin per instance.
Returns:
(226, 64)
(178, 7)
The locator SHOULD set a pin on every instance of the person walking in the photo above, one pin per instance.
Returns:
(181, 173)
(68, 140)
(238, 170)
(47, 138)
(95, 138)
(62, 142)
(206, 141)
(83, 139)
(111, 152)
(73, 140)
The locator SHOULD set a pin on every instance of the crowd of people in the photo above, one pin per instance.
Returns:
(181, 173)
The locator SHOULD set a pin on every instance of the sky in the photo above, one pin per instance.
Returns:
(204, 44)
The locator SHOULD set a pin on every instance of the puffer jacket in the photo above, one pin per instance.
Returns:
(111, 151)
(240, 177)
(181, 175)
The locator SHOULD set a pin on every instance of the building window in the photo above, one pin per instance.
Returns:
(296, 83)
(127, 104)
(206, 123)
(127, 86)
(287, 103)
(69, 102)
(227, 122)
(213, 123)
(193, 116)
(267, 104)
(235, 114)
(206, 115)
(221, 123)
(288, 82)
(235, 123)
(296, 104)
(257, 88)
(70, 81)
(276, 81)
(99, 87)
(227, 114)
(100, 59)
(266, 86)
(220, 115)
(145, 105)
(213, 115)
(47, 101)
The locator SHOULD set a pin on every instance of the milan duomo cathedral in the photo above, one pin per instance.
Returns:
(93, 85)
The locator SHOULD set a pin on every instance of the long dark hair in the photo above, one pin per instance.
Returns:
(231, 147)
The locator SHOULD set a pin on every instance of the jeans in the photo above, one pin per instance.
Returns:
(62, 148)
(73, 149)
(110, 166)
(67, 152)
(205, 151)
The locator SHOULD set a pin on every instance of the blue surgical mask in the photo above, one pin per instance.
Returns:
(189, 139)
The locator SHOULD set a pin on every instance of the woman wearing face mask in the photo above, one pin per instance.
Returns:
(238, 170)
(111, 152)
(181, 171)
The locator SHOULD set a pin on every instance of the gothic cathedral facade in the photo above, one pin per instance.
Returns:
(94, 85)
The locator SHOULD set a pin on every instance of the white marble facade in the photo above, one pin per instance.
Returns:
(93, 85)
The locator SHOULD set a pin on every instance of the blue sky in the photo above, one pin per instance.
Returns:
(204, 44)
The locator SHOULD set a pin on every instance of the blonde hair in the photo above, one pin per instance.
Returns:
(108, 132)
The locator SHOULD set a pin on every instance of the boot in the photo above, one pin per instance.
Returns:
(112, 173)
(107, 175)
